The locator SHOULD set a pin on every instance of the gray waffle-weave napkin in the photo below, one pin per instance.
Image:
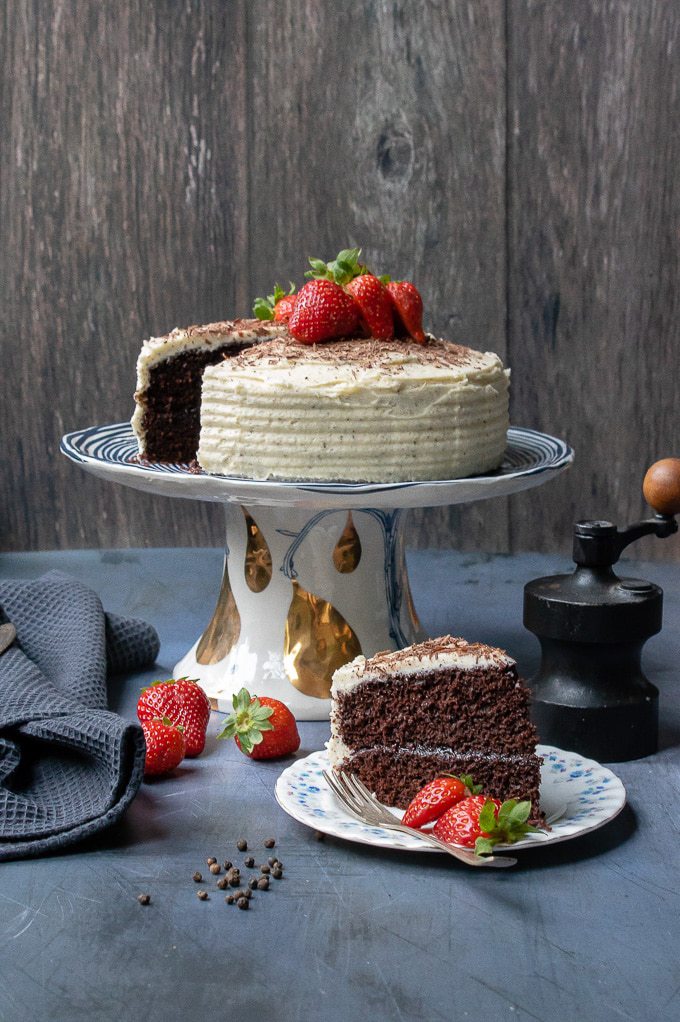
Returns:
(68, 766)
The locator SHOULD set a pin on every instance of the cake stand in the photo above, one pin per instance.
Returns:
(314, 573)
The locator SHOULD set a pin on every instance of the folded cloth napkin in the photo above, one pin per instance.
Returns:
(68, 766)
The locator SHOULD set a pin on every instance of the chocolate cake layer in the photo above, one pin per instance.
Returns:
(172, 418)
(396, 775)
(467, 710)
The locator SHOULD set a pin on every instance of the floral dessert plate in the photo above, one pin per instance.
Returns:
(578, 793)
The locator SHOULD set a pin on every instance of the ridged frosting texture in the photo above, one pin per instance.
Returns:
(354, 410)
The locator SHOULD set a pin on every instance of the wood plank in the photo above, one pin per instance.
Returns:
(594, 104)
(385, 128)
(123, 212)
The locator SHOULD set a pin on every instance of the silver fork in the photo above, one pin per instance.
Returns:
(357, 800)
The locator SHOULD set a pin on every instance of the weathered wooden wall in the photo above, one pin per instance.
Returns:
(163, 163)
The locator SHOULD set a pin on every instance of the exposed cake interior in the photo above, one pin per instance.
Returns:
(442, 706)
(169, 379)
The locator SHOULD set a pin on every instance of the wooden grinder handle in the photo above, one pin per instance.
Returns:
(661, 486)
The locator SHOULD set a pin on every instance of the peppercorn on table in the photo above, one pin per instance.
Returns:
(116, 929)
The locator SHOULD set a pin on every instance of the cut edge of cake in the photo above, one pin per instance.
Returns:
(211, 340)
(395, 761)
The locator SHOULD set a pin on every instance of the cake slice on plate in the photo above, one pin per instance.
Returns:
(400, 719)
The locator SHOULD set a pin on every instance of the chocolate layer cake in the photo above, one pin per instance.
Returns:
(349, 409)
(167, 416)
(442, 706)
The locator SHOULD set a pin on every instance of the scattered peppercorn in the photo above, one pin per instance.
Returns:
(203, 895)
(242, 844)
(209, 861)
(264, 868)
(215, 868)
(277, 873)
(230, 899)
(234, 880)
(197, 877)
(144, 899)
(222, 883)
(226, 865)
(272, 861)
(249, 862)
(263, 884)
(243, 903)
(252, 883)
(269, 842)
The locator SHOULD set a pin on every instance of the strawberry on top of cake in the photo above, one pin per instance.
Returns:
(336, 381)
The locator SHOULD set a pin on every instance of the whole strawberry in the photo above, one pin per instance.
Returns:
(479, 822)
(408, 307)
(322, 311)
(165, 746)
(436, 797)
(183, 702)
(374, 304)
(264, 728)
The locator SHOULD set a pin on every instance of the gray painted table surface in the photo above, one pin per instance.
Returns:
(588, 929)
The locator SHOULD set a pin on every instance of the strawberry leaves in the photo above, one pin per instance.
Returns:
(248, 722)
(263, 308)
(504, 826)
(341, 270)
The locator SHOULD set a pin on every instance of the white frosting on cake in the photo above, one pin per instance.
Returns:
(355, 410)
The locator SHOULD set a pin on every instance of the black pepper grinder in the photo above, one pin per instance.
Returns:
(590, 694)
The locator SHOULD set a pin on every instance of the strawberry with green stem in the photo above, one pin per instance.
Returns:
(403, 297)
(323, 310)
(481, 823)
(367, 290)
(264, 728)
(278, 306)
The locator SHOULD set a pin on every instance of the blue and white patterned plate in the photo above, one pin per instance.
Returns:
(531, 458)
(585, 794)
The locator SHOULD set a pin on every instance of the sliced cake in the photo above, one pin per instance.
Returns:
(399, 719)
(170, 369)
(336, 382)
